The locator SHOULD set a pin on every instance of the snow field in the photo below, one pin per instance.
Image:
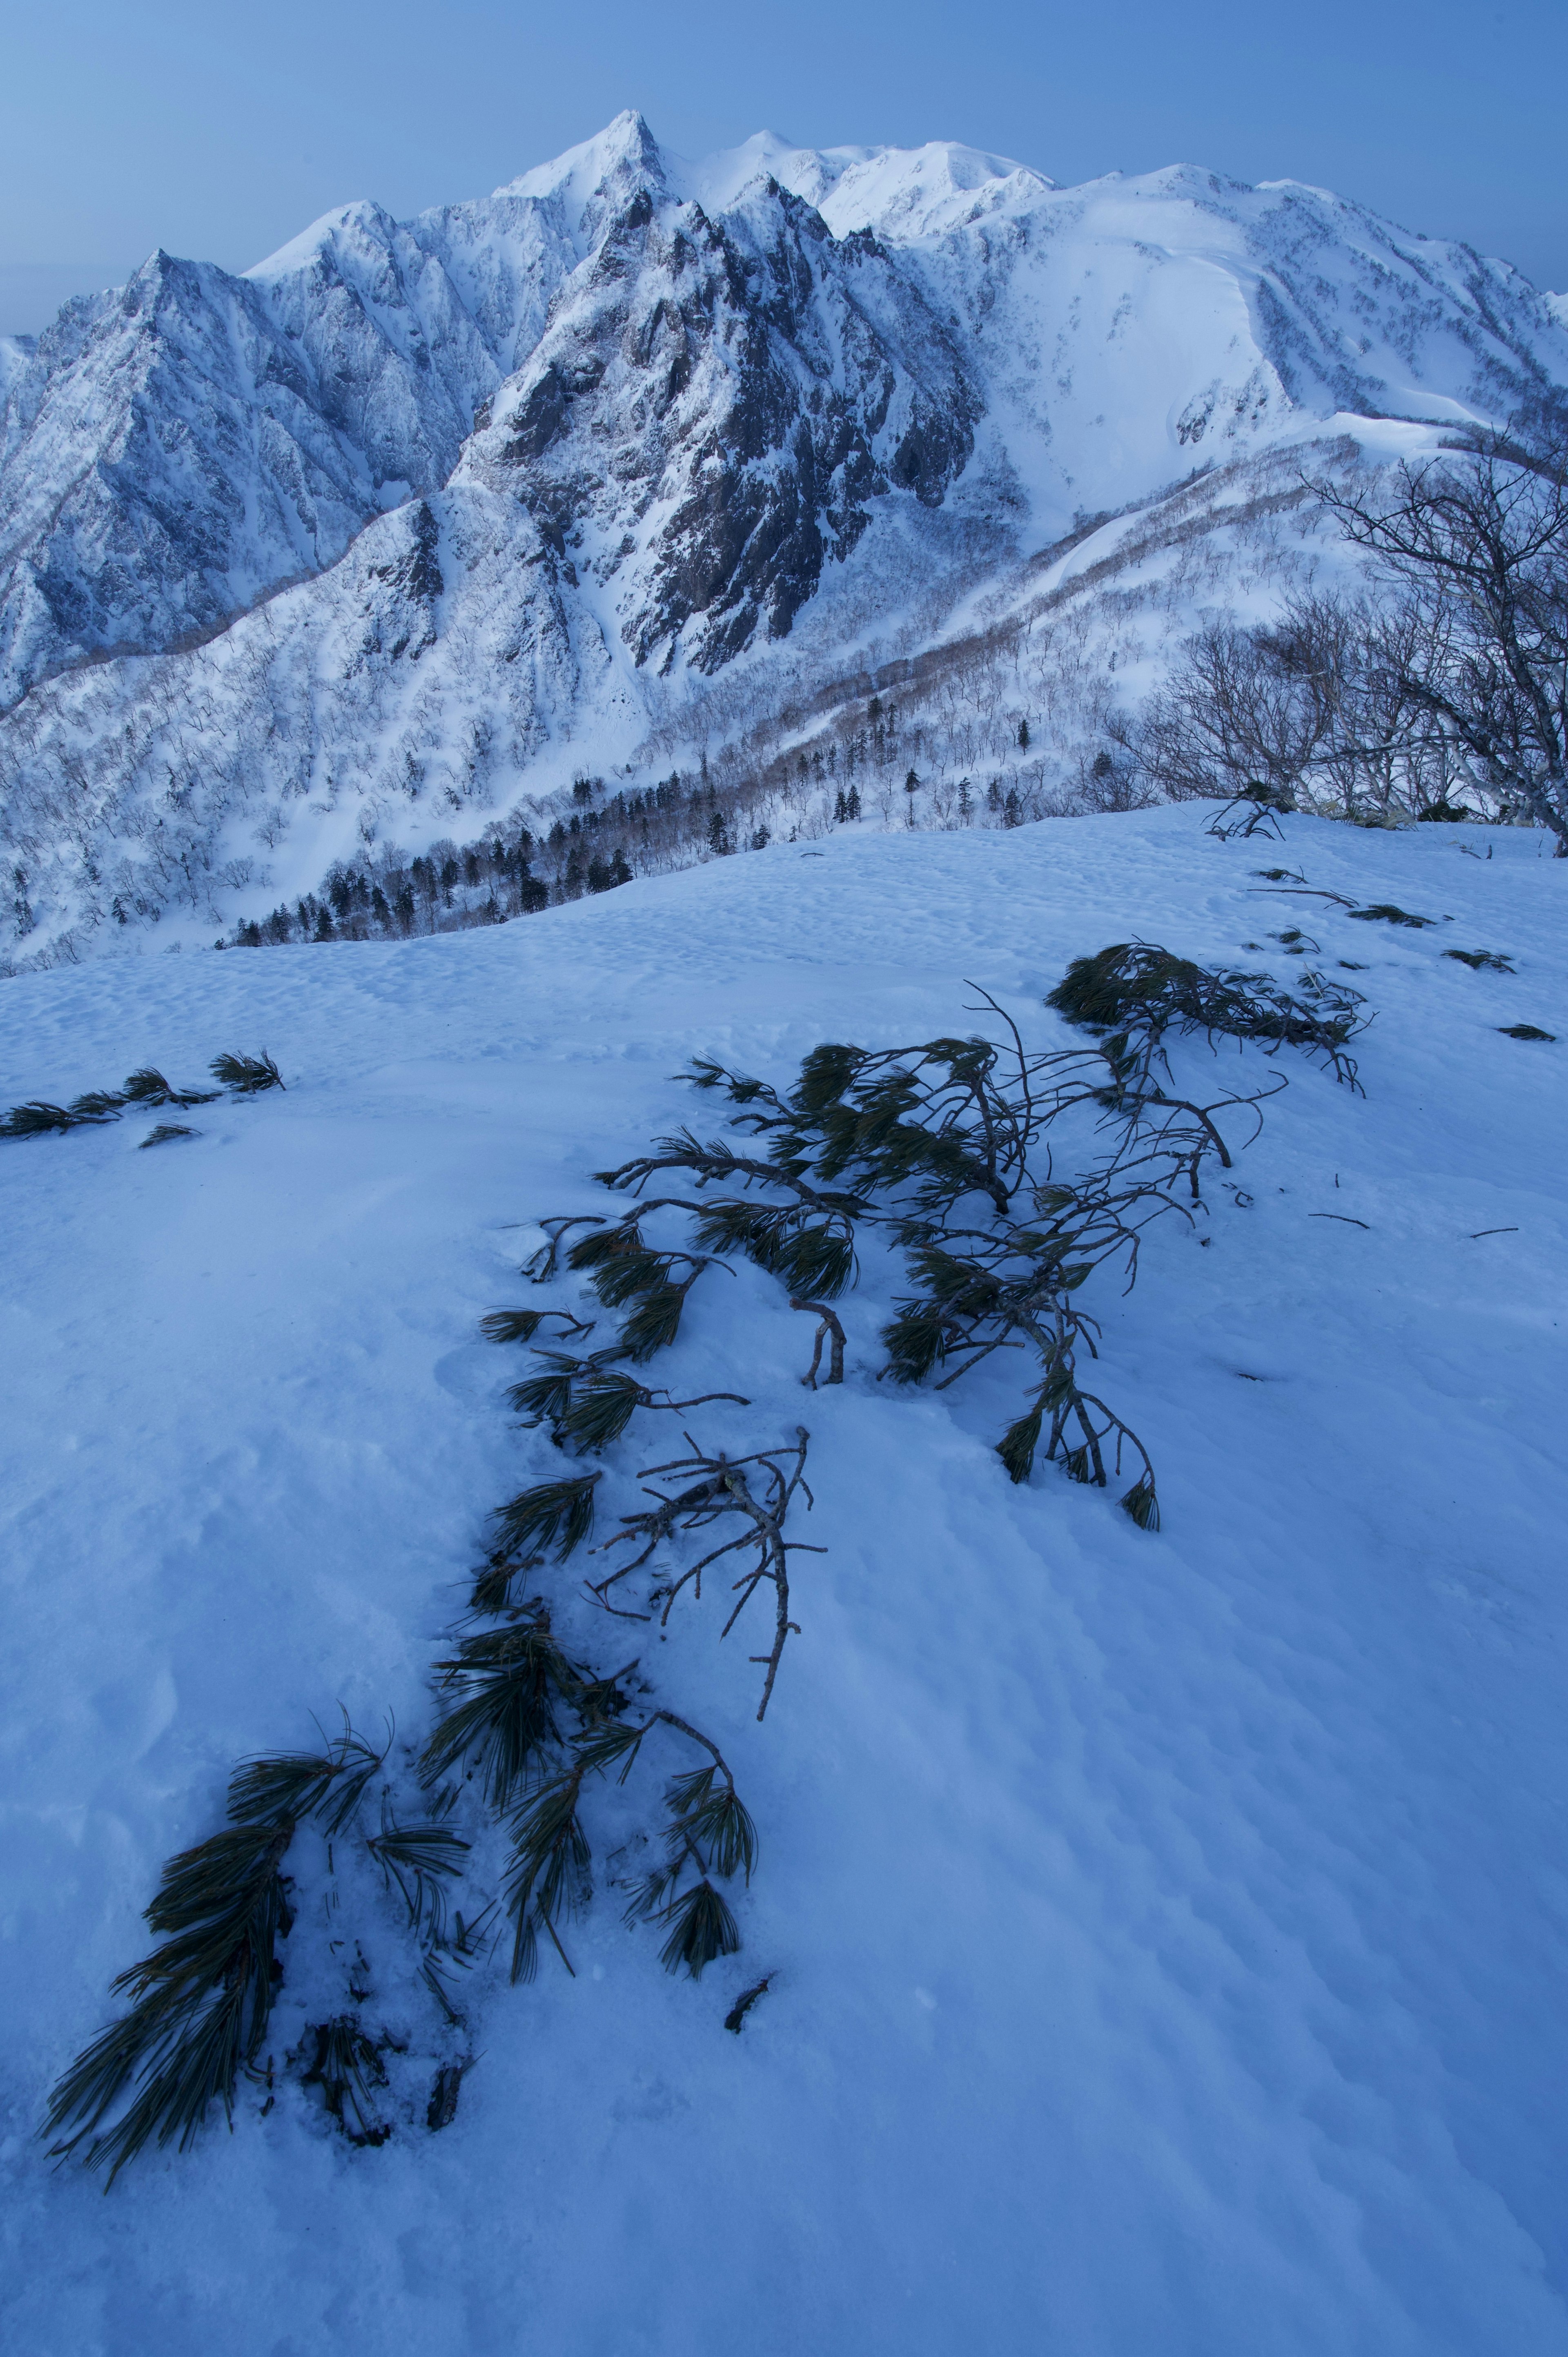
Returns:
(1167, 1929)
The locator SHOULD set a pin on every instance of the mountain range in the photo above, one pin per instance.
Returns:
(410, 525)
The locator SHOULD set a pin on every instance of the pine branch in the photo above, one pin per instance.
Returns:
(1139, 991)
(146, 1089)
(202, 2000)
(589, 1403)
(38, 1119)
(246, 1076)
(709, 1831)
(720, 1489)
(522, 1325)
(827, 1325)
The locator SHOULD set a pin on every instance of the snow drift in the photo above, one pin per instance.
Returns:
(1166, 1929)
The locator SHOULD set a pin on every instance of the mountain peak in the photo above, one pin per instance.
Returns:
(625, 147)
(359, 223)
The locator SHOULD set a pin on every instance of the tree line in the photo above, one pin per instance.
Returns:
(1434, 686)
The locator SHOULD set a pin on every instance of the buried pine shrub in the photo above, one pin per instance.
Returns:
(145, 1092)
(1141, 991)
(944, 1151)
(952, 1153)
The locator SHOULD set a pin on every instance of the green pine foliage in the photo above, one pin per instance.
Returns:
(166, 1133)
(946, 1149)
(246, 1076)
(708, 1833)
(547, 1878)
(589, 1403)
(700, 1927)
(1384, 912)
(511, 1325)
(557, 1515)
(947, 1152)
(506, 1688)
(201, 2001)
(418, 1860)
(282, 1787)
(36, 1119)
(148, 1089)
(1139, 992)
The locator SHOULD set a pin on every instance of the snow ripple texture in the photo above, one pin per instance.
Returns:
(1167, 1929)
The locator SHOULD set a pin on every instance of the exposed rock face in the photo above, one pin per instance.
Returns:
(166, 459)
(172, 451)
(714, 407)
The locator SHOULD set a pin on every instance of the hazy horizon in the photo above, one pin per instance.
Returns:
(220, 138)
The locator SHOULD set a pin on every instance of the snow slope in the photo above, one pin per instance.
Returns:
(1168, 1930)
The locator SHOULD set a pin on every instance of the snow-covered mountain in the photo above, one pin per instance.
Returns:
(415, 519)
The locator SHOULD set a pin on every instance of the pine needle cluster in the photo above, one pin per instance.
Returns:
(534, 1725)
(587, 1403)
(528, 1723)
(201, 2001)
(940, 1146)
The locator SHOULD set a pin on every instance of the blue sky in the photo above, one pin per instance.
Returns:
(219, 130)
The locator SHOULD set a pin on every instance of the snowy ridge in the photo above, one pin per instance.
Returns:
(727, 418)
(1165, 1928)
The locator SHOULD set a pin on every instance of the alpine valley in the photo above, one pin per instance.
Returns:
(639, 472)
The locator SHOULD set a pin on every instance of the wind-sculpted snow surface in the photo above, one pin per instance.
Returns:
(1163, 1928)
(742, 417)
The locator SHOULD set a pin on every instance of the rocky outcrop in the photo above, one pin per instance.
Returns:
(713, 408)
